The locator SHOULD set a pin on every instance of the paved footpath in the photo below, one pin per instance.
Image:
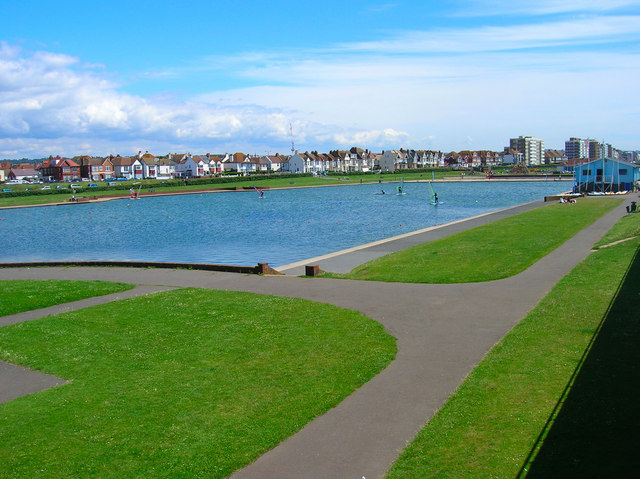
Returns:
(442, 331)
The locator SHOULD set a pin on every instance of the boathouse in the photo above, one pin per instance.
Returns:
(605, 175)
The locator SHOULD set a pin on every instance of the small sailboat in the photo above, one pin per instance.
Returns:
(401, 187)
(433, 199)
(135, 194)
(260, 192)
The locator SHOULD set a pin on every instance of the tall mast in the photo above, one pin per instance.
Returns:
(293, 148)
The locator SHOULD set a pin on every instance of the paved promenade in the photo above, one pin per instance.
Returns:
(442, 332)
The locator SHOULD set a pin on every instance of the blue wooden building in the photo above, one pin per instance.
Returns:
(605, 175)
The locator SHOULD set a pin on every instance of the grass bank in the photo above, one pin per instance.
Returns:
(17, 296)
(493, 251)
(627, 228)
(557, 397)
(187, 383)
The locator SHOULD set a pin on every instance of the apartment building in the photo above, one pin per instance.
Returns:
(532, 149)
(576, 148)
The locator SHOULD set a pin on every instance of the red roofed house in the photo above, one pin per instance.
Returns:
(60, 169)
(96, 169)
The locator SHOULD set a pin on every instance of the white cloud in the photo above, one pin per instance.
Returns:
(594, 30)
(542, 7)
(43, 96)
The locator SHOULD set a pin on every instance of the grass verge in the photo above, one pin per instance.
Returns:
(17, 296)
(489, 252)
(572, 362)
(628, 227)
(187, 383)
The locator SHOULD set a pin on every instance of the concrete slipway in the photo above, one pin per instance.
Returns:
(442, 331)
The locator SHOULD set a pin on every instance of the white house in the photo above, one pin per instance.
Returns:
(216, 165)
(295, 164)
(190, 166)
(127, 167)
(23, 174)
(275, 162)
(160, 169)
(245, 164)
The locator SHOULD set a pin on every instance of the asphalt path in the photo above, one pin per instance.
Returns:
(442, 332)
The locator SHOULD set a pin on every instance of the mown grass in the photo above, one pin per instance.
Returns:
(157, 187)
(628, 227)
(493, 251)
(17, 296)
(274, 182)
(187, 383)
(496, 417)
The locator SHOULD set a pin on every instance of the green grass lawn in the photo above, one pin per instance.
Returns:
(273, 182)
(498, 416)
(17, 296)
(188, 383)
(493, 251)
(628, 227)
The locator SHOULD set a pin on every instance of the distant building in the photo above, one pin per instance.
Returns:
(630, 156)
(531, 148)
(554, 156)
(23, 174)
(512, 156)
(387, 161)
(576, 148)
(594, 150)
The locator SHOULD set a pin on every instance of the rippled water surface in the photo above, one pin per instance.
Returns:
(239, 228)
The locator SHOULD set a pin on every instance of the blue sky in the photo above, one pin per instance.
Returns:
(118, 77)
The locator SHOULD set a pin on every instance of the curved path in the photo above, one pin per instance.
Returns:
(442, 332)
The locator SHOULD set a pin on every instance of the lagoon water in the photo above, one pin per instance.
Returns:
(239, 228)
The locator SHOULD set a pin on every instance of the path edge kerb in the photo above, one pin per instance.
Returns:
(260, 268)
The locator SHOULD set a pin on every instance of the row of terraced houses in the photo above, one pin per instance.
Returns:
(147, 165)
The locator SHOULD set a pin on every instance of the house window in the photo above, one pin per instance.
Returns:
(622, 172)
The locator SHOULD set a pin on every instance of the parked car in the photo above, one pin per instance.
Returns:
(93, 185)
(45, 188)
(60, 187)
(7, 190)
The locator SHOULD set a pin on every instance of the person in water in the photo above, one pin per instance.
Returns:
(435, 197)
(399, 189)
